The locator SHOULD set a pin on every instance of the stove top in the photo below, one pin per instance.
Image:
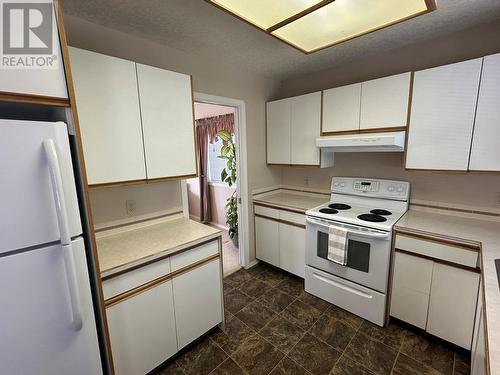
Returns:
(371, 203)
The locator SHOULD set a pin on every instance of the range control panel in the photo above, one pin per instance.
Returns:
(388, 189)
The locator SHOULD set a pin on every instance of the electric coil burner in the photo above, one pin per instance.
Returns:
(365, 210)
(380, 211)
(339, 206)
(328, 211)
(372, 218)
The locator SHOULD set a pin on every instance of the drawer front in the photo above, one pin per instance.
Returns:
(293, 217)
(132, 279)
(188, 257)
(436, 250)
(266, 211)
(362, 301)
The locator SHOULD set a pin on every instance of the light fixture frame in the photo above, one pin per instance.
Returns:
(430, 5)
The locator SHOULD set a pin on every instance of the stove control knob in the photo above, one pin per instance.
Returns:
(401, 189)
(342, 184)
(391, 188)
(336, 184)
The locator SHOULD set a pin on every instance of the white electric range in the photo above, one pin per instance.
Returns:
(368, 209)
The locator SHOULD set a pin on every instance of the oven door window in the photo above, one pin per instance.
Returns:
(358, 253)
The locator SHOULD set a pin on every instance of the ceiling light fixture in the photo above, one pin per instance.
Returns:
(311, 25)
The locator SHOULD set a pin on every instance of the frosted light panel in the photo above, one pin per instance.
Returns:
(346, 19)
(265, 13)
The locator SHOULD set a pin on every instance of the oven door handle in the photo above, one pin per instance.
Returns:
(367, 234)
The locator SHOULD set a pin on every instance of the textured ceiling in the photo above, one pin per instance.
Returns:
(197, 27)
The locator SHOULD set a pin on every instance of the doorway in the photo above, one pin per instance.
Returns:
(213, 196)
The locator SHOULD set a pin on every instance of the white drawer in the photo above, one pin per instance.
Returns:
(132, 279)
(266, 211)
(188, 257)
(436, 250)
(352, 297)
(293, 217)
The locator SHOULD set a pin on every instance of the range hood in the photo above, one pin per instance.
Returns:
(373, 142)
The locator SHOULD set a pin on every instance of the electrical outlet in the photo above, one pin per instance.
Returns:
(130, 207)
(306, 181)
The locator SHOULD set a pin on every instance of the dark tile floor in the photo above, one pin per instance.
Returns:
(274, 327)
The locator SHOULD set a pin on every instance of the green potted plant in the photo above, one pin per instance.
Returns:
(228, 175)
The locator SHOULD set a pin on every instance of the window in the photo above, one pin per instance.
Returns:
(215, 164)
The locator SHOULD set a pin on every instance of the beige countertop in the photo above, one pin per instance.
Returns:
(300, 201)
(487, 233)
(127, 247)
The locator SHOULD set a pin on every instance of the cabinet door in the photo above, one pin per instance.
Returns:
(384, 102)
(142, 330)
(305, 128)
(341, 108)
(197, 301)
(478, 361)
(411, 285)
(485, 154)
(167, 122)
(267, 241)
(44, 81)
(452, 304)
(110, 121)
(442, 116)
(278, 131)
(292, 245)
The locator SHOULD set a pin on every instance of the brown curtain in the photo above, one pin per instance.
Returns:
(206, 131)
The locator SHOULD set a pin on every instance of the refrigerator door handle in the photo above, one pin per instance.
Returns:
(62, 219)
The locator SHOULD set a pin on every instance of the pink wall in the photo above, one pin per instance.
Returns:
(219, 194)
(218, 197)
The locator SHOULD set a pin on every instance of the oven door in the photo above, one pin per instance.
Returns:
(368, 253)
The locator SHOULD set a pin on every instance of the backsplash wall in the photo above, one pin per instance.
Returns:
(465, 189)
(151, 200)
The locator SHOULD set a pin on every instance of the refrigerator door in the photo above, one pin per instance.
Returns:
(36, 317)
(28, 213)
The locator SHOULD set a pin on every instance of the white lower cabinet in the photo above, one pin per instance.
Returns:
(280, 239)
(478, 361)
(154, 311)
(452, 305)
(142, 330)
(440, 298)
(267, 241)
(292, 254)
(411, 286)
(197, 300)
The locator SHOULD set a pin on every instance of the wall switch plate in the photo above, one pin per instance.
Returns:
(130, 207)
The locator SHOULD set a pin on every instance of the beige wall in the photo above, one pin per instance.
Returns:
(477, 190)
(151, 200)
(209, 76)
(462, 189)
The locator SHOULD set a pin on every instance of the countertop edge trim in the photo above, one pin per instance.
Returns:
(141, 262)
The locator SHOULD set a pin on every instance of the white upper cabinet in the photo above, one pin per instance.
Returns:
(341, 108)
(278, 131)
(48, 82)
(167, 119)
(109, 117)
(442, 116)
(293, 124)
(485, 153)
(384, 102)
(305, 128)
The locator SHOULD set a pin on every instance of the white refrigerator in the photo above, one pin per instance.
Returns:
(47, 323)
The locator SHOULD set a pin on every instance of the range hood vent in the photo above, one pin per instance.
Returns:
(374, 142)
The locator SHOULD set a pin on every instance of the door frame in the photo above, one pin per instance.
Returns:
(241, 169)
